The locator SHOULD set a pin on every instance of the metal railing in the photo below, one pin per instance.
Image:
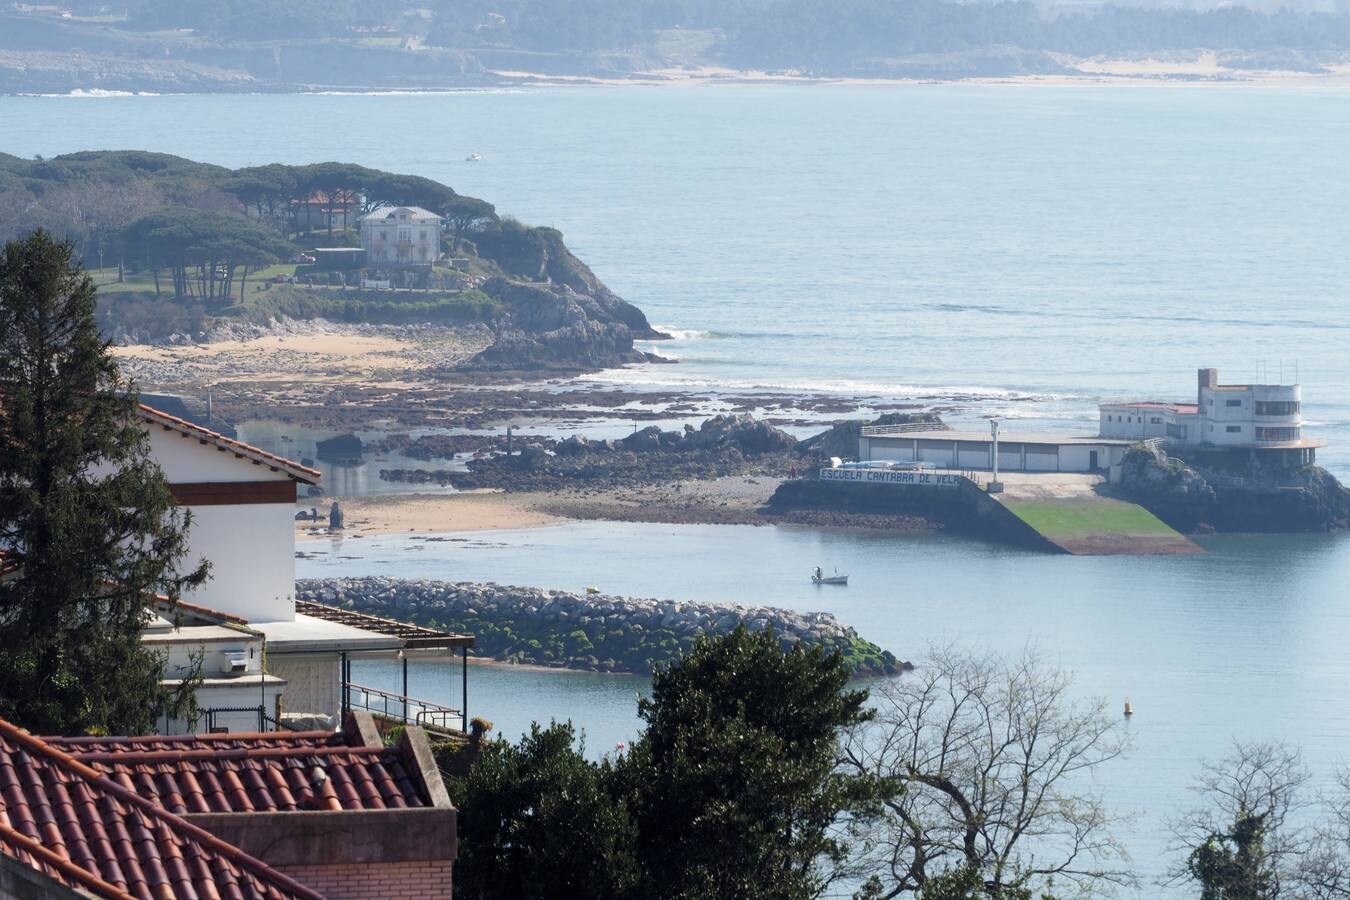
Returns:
(208, 717)
(878, 430)
(402, 707)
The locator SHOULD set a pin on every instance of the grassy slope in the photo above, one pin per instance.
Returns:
(1079, 518)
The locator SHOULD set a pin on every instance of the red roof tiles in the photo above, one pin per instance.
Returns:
(236, 773)
(239, 448)
(87, 831)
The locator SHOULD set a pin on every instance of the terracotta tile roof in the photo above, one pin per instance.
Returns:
(239, 448)
(67, 820)
(235, 773)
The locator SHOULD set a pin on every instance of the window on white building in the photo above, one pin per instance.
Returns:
(1234, 403)
(1233, 429)
(1156, 420)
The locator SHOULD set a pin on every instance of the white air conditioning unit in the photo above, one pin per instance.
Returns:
(236, 662)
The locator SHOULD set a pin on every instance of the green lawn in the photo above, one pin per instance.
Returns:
(1079, 518)
(143, 282)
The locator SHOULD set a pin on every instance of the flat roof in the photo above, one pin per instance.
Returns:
(196, 634)
(1004, 437)
(1184, 408)
(309, 634)
(414, 637)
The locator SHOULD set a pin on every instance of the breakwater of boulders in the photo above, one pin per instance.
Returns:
(596, 632)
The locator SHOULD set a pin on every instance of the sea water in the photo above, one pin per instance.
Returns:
(1022, 251)
(1245, 642)
(1026, 250)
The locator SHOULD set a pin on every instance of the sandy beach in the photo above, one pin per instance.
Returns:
(411, 513)
(310, 353)
(1202, 68)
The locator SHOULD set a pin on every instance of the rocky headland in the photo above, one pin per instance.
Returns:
(596, 632)
(1194, 499)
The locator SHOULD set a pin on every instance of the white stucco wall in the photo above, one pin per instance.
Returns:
(187, 460)
(313, 681)
(241, 694)
(251, 549)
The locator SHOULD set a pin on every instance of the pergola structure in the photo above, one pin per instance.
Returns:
(414, 637)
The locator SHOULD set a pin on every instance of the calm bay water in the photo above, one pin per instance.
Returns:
(1020, 250)
(1244, 642)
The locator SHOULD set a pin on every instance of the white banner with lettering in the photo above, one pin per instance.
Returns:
(892, 476)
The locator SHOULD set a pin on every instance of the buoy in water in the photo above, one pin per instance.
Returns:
(1129, 709)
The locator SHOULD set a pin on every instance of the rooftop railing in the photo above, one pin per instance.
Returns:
(880, 430)
(404, 708)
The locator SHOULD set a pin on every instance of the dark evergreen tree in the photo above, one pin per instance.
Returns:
(536, 820)
(735, 785)
(88, 526)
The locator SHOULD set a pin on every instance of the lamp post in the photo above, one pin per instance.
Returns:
(995, 486)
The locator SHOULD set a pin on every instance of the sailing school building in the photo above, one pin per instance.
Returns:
(944, 449)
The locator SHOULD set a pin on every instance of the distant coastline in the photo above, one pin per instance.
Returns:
(1202, 69)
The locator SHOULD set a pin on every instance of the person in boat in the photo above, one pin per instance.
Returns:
(818, 574)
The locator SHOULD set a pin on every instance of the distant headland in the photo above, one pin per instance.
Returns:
(232, 47)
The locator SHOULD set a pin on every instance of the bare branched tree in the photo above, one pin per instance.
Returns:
(1323, 871)
(993, 754)
(1240, 842)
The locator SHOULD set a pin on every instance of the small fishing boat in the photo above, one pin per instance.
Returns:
(819, 577)
(473, 157)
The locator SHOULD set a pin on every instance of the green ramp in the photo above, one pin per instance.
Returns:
(1098, 526)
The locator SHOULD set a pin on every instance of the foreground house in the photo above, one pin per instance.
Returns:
(278, 815)
(243, 502)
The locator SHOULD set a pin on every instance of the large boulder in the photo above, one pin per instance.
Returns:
(576, 445)
(644, 441)
(743, 432)
(842, 439)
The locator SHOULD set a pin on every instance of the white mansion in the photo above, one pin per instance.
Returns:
(401, 236)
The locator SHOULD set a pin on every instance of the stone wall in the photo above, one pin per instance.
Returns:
(595, 631)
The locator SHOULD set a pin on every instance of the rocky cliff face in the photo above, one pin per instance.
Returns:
(553, 326)
(1190, 500)
(559, 315)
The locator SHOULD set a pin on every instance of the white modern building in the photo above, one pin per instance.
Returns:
(1252, 417)
(401, 236)
(1231, 425)
(1028, 452)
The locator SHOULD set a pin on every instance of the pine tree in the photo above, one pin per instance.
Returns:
(88, 525)
(734, 785)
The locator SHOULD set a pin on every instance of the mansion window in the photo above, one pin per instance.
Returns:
(1277, 434)
(1233, 429)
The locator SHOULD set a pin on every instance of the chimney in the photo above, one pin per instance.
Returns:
(1207, 378)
